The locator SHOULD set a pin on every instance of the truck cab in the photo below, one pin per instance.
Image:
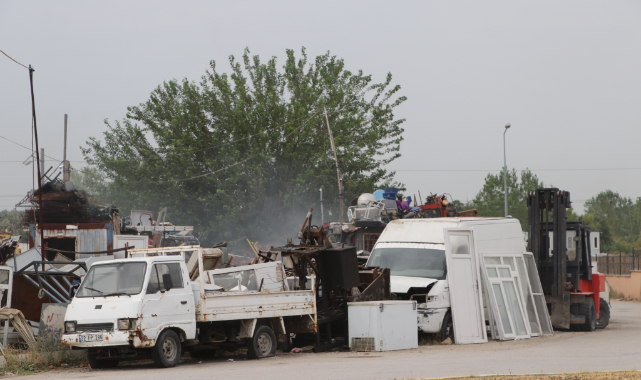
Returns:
(128, 304)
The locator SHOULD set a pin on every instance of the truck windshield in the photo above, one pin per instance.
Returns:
(411, 262)
(119, 279)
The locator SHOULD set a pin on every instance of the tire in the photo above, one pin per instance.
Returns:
(166, 352)
(604, 314)
(589, 310)
(262, 344)
(96, 363)
(447, 328)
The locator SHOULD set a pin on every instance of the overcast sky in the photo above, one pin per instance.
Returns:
(565, 74)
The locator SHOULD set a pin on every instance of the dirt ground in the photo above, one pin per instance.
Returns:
(616, 348)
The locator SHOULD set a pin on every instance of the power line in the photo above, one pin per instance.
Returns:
(27, 148)
(499, 170)
(244, 138)
(226, 167)
(53, 159)
(14, 60)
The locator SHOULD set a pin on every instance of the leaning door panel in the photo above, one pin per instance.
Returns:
(465, 292)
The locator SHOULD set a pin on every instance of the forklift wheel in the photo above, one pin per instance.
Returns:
(604, 314)
(589, 310)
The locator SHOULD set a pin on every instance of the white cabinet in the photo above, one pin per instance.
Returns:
(382, 325)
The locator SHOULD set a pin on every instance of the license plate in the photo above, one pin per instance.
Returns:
(91, 338)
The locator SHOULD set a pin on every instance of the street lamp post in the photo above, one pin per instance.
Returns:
(507, 126)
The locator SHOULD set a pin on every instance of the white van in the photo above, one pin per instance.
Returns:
(414, 250)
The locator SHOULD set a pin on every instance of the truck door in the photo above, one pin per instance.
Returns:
(174, 307)
(465, 290)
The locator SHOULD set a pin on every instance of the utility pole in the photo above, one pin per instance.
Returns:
(35, 135)
(341, 195)
(507, 126)
(42, 161)
(65, 163)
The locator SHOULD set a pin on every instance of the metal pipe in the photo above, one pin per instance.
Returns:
(60, 287)
(53, 298)
(57, 293)
(321, 204)
(341, 194)
(507, 126)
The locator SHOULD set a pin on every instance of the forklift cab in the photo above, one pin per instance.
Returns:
(562, 252)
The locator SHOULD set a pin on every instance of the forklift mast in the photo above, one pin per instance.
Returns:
(563, 258)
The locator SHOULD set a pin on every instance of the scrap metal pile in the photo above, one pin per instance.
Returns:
(64, 204)
(337, 278)
(381, 207)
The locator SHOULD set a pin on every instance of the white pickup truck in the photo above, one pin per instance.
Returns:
(161, 301)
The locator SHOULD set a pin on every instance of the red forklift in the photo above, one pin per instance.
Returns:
(563, 258)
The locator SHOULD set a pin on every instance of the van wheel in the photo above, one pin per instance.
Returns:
(96, 363)
(447, 328)
(166, 352)
(604, 314)
(262, 344)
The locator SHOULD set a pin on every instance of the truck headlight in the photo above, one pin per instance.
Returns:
(70, 326)
(125, 324)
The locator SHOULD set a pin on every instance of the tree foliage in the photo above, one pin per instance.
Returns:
(490, 200)
(244, 154)
(11, 221)
(617, 218)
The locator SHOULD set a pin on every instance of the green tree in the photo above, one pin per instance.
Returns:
(243, 154)
(616, 217)
(11, 221)
(490, 200)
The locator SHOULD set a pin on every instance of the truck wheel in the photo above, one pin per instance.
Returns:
(604, 314)
(166, 352)
(262, 344)
(96, 363)
(589, 310)
(447, 328)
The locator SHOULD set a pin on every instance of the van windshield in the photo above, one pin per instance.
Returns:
(411, 262)
(121, 279)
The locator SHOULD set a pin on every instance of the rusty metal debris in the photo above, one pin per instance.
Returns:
(338, 280)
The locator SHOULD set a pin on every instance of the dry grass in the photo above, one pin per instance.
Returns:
(48, 354)
(616, 375)
(614, 295)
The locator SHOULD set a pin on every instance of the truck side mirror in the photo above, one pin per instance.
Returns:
(167, 282)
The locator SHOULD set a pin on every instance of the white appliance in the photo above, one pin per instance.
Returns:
(382, 325)
(141, 218)
(135, 242)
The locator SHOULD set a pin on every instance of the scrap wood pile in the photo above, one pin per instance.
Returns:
(63, 206)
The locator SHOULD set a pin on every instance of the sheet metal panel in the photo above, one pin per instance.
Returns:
(87, 239)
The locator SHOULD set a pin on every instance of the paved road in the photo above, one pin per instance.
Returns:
(618, 347)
